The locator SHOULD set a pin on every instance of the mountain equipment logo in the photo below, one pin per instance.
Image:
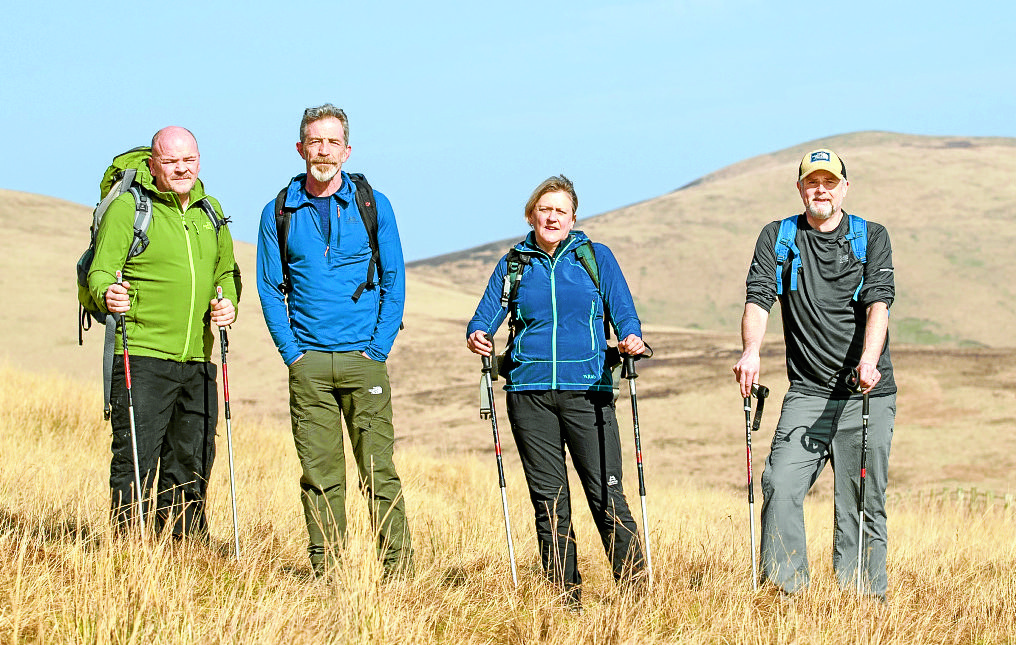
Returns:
(612, 481)
(820, 155)
(375, 390)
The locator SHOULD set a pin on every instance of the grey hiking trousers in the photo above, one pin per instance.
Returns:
(813, 430)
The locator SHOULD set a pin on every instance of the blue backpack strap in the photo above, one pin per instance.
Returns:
(786, 245)
(858, 238)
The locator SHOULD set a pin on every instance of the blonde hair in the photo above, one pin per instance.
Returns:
(555, 184)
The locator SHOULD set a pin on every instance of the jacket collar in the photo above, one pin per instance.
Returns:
(568, 244)
(297, 195)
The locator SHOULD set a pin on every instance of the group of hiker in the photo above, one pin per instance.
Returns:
(331, 281)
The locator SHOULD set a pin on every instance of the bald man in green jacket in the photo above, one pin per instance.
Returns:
(168, 300)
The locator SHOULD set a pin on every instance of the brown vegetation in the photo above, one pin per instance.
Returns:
(952, 558)
(64, 579)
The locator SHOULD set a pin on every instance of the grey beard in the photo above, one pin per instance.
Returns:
(324, 174)
(823, 211)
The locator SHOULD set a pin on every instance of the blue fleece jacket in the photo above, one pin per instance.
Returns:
(560, 344)
(320, 313)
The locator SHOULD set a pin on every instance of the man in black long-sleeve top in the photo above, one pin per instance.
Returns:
(833, 275)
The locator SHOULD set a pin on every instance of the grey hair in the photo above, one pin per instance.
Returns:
(312, 114)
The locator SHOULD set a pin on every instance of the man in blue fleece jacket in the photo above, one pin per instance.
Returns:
(334, 326)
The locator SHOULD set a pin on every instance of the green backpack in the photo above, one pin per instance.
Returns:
(120, 177)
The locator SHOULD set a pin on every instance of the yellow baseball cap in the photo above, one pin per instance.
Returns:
(822, 159)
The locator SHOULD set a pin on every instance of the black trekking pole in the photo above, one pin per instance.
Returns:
(761, 392)
(488, 411)
(130, 411)
(224, 346)
(855, 382)
(629, 373)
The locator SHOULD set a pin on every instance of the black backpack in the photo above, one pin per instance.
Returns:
(368, 213)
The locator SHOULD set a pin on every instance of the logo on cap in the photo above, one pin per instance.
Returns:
(821, 155)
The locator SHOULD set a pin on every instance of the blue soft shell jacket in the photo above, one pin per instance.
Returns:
(320, 313)
(560, 344)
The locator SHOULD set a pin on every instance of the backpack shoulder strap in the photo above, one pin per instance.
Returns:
(786, 246)
(282, 214)
(142, 220)
(367, 206)
(858, 237)
(213, 215)
(587, 257)
(517, 261)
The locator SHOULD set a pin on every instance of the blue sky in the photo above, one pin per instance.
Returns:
(458, 109)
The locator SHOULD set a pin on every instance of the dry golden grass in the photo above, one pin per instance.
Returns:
(952, 563)
(63, 579)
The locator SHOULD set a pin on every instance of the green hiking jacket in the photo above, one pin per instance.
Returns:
(171, 281)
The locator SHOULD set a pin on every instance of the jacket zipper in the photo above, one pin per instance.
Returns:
(553, 306)
(190, 263)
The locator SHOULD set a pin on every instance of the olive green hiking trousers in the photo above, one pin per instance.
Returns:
(323, 388)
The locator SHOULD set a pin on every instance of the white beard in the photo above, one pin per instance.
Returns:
(821, 210)
(324, 173)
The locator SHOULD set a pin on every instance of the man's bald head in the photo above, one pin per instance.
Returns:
(175, 161)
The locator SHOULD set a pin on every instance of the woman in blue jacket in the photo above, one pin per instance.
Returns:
(560, 390)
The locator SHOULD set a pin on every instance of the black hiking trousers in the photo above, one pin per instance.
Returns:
(175, 410)
(545, 424)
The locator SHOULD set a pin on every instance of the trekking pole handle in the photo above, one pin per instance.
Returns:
(854, 380)
(223, 339)
(628, 369)
(760, 392)
(629, 366)
(119, 280)
(485, 360)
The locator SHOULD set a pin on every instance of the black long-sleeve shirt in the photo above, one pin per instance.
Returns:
(822, 323)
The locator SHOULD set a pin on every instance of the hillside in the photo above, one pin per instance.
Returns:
(942, 199)
(947, 201)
